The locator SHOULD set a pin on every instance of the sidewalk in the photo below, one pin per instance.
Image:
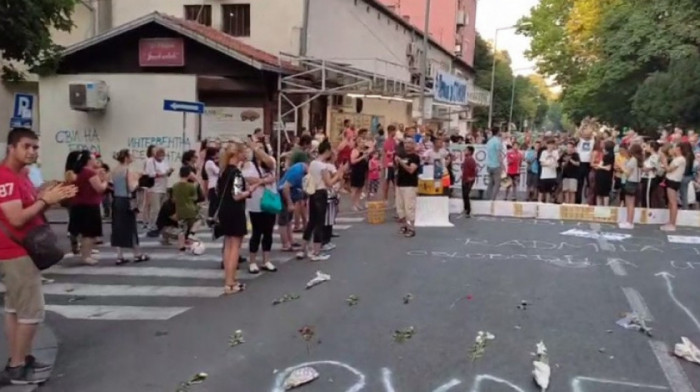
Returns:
(45, 350)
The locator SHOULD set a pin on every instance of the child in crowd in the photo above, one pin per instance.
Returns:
(514, 159)
(374, 173)
(185, 198)
(167, 220)
(549, 161)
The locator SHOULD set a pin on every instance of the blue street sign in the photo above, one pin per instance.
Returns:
(23, 112)
(183, 106)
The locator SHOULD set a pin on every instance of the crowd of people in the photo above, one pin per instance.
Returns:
(599, 166)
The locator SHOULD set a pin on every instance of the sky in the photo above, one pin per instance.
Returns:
(494, 14)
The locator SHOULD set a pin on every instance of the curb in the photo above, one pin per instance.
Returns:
(45, 350)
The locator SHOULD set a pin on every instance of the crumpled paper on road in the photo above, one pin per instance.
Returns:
(300, 377)
(542, 371)
(687, 350)
(320, 278)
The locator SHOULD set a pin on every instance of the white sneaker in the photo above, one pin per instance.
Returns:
(319, 257)
(90, 261)
(626, 225)
(328, 247)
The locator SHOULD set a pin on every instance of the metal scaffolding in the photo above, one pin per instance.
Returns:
(318, 77)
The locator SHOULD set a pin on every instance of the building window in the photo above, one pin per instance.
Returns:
(236, 19)
(199, 13)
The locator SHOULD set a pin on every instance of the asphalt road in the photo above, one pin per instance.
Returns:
(462, 280)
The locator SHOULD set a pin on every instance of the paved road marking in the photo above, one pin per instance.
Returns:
(168, 254)
(576, 383)
(667, 276)
(637, 303)
(118, 290)
(102, 312)
(684, 239)
(205, 231)
(616, 266)
(348, 219)
(677, 379)
(161, 272)
(602, 241)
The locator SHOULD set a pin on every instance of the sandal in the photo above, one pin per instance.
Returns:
(409, 233)
(253, 269)
(268, 266)
(234, 289)
(122, 261)
(141, 258)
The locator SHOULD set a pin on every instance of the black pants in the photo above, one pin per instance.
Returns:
(327, 234)
(583, 171)
(318, 203)
(466, 190)
(263, 225)
(213, 203)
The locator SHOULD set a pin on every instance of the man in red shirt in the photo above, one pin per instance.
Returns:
(468, 178)
(20, 211)
(514, 159)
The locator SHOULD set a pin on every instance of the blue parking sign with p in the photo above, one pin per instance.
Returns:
(23, 112)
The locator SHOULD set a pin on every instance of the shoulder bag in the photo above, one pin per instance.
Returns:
(146, 181)
(41, 244)
(270, 202)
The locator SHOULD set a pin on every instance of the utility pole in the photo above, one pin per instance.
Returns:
(493, 70)
(424, 62)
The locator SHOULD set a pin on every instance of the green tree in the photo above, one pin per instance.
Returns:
(25, 33)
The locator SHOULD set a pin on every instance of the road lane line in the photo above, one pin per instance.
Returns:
(103, 312)
(616, 266)
(119, 290)
(667, 276)
(676, 377)
(637, 303)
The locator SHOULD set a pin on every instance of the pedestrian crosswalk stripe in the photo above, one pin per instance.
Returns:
(104, 312)
(349, 219)
(204, 232)
(161, 272)
(207, 245)
(118, 290)
(172, 254)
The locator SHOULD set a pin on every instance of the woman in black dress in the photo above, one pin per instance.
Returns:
(232, 224)
(604, 174)
(359, 166)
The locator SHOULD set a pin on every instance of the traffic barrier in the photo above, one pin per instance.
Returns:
(574, 212)
(433, 211)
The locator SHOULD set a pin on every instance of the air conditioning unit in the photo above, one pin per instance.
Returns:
(411, 49)
(88, 96)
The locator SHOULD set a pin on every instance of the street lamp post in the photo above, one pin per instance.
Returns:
(512, 94)
(493, 69)
(424, 62)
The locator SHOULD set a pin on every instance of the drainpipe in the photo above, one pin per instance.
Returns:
(303, 42)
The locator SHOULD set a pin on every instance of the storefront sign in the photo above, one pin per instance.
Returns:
(161, 52)
(450, 89)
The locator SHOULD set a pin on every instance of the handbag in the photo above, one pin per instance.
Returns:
(146, 181)
(270, 202)
(41, 244)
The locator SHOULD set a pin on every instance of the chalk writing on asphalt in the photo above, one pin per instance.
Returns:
(583, 246)
(481, 381)
(683, 265)
(567, 261)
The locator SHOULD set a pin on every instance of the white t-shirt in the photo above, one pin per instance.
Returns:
(154, 167)
(677, 173)
(316, 169)
(633, 169)
(584, 150)
(549, 162)
(252, 203)
(652, 162)
(212, 170)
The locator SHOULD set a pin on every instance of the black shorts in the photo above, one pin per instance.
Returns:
(85, 220)
(514, 177)
(391, 175)
(675, 185)
(548, 185)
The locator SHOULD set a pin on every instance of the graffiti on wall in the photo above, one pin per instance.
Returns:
(173, 146)
(79, 139)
